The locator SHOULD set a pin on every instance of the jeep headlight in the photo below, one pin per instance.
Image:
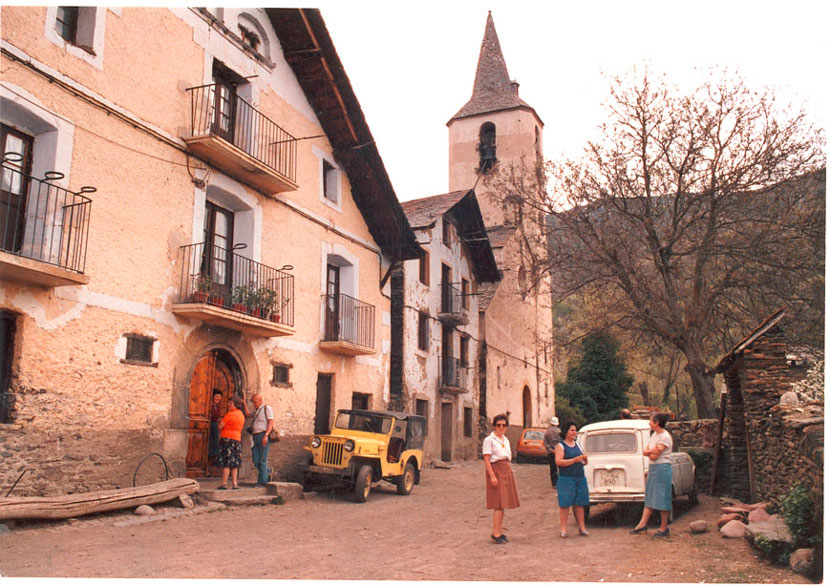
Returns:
(315, 442)
(349, 446)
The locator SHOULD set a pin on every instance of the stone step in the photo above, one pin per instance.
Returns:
(249, 492)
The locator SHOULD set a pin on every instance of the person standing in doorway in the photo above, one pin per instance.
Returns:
(261, 426)
(501, 486)
(215, 418)
(553, 436)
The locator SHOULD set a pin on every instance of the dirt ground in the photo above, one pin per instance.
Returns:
(439, 532)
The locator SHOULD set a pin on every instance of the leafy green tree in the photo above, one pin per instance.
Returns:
(598, 382)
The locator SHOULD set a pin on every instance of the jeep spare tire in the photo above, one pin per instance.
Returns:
(363, 483)
(407, 480)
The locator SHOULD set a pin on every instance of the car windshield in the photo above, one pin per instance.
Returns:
(617, 442)
(363, 422)
(534, 434)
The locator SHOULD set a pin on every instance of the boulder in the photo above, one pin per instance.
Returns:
(733, 530)
(765, 506)
(144, 510)
(789, 398)
(730, 517)
(735, 509)
(699, 526)
(289, 490)
(756, 515)
(801, 561)
(772, 530)
(441, 464)
(186, 502)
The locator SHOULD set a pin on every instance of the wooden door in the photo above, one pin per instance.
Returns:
(210, 373)
(14, 187)
(446, 431)
(322, 410)
(332, 302)
(527, 408)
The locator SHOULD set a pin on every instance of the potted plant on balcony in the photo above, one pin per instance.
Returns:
(239, 299)
(202, 288)
(267, 296)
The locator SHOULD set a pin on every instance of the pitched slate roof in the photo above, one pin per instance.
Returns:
(462, 206)
(492, 90)
(310, 52)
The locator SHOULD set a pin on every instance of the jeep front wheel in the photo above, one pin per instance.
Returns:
(407, 481)
(363, 483)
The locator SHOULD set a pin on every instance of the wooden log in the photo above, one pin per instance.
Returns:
(75, 505)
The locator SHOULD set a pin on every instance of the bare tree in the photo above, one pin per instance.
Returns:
(693, 218)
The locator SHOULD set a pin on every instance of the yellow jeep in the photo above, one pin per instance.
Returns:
(366, 447)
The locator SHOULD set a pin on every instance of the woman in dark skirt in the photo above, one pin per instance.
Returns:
(230, 443)
(501, 486)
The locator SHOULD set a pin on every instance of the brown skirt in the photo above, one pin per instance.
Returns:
(505, 495)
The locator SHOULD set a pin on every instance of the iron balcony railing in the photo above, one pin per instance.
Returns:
(42, 221)
(349, 320)
(238, 122)
(453, 373)
(452, 301)
(223, 278)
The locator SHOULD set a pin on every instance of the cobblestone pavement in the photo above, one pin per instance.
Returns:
(439, 532)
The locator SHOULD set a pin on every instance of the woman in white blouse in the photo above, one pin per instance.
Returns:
(501, 486)
(658, 483)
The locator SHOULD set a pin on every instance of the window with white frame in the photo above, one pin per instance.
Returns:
(330, 179)
(79, 30)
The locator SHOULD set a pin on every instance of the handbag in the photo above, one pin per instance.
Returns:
(274, 436)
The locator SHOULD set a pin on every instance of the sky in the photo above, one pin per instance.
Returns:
(412, 64)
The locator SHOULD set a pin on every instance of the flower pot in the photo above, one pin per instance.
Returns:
(240, 307)
(256, 311)
(200, 297)
(217, 300)
(275, 317)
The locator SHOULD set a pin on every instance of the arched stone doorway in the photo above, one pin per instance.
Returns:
(216, 369)
(527, 408)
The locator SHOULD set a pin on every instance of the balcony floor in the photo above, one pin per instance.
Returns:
(234, 320)
(348, 348)
(18, 268)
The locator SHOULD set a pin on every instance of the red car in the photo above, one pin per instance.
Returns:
(531, 445)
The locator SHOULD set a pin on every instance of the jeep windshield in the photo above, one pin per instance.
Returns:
(363, 422)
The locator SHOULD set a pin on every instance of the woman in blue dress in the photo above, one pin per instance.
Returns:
(572, 486)
(658, 482)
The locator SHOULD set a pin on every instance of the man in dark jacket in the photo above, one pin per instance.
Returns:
(553, 436)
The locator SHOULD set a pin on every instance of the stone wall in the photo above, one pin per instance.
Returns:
(699, 438)
(786, 442)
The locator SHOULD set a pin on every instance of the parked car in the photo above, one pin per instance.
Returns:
(531, 445)
(365, 447)
(616, 468)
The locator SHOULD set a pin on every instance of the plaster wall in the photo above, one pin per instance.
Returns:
(68, 377)
(422, 367)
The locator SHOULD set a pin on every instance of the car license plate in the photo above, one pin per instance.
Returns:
(611, 478)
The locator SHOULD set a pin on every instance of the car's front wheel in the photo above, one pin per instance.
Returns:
(363, 483)
(407, 481)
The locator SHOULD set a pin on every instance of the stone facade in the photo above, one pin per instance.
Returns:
(769, 447)
(85, 408)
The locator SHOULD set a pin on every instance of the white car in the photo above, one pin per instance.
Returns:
(616, 468)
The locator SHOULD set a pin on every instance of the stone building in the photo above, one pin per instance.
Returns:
(768, 446)
(437, 300)
(235, 237)
(493, 131)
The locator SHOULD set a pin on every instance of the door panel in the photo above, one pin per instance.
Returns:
(210, 373)
(14, 187)
(322, 410)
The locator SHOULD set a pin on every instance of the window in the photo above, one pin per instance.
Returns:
(446, 232)
(280, 376)
(14, 187)
(66, 23)
(7, 330)
(360, 401)
(329, 179)
(423, 269)
(422, 409)
(463, 358)
(465, 292)
(486, 147)
(423, 331)
(468, 422)
(139, 350)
